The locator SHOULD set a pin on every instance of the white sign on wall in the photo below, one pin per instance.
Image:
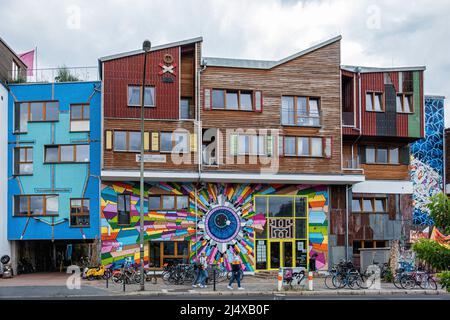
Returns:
(159, 158)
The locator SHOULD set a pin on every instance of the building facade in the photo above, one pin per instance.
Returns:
(427, 161)
(53, 171)
(5, 247)
(12, 68)
(382, 113)
(240, 155)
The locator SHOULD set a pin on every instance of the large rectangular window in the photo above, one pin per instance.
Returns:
(23, 161)
(78, 153)
(123, 209)
(38, 111)
(79, 213)
(232, 99)
(303, 147)
(127, 141)
(374, 101)
(300, 111)
(369, 205)
(382, 155)
(168, 252)
(36, 205)
(176, 142)
(168, 202)
(134, 96)
(79, 117)
(405, 103)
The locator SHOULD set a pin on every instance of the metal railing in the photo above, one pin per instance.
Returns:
(291, 118)
(354, 163)
(59, 74)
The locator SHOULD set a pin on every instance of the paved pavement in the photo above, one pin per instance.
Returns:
(53, 285)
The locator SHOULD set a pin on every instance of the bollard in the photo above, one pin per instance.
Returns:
(107, 278)
(280, 279)
(310, 281)
(214, 279)
(123, 279)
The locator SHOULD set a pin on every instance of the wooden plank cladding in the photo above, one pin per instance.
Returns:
(315, 74)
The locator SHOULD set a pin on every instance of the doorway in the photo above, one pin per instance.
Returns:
(282, 254)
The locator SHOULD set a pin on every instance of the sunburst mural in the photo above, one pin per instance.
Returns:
(220, 219)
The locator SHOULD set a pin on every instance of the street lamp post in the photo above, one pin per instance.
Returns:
(146, 47)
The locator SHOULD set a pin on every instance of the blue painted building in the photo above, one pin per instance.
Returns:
(427, 160)
(53, 171)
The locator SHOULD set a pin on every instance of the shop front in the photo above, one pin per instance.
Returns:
(268, 225)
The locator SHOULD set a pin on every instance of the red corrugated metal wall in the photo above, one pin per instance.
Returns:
(120, 73)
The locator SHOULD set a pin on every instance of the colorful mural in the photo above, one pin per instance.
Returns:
(220, 220)
(427, 158)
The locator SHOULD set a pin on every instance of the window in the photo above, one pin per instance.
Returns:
(168, 202)
(36, 205)
(232, 99)
(134, 96)
(177, 142)
(78, 153)
(23, 161)
(251, 145)
(127, 141)
(368, 244)
(300, 111)
(79, 117)
(303, 147)
(123, 209)
(79, 213)
(405, 103)
(369, 205)
(168, 252)
(374, 101)
(15, 72)
(184, 109)
(34, 111)
(380, 155)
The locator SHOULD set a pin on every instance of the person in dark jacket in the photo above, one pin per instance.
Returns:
(235, 271)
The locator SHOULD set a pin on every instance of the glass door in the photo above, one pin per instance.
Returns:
(281, 254)
(275, 254)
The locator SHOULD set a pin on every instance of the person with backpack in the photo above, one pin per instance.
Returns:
(235, 272)
(202, 272)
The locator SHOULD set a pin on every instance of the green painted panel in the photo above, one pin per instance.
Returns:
(414, 119)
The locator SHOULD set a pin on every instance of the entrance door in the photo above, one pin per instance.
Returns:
(281, 254)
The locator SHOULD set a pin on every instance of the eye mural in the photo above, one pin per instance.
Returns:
(219, 219)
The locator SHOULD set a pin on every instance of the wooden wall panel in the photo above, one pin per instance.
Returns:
(6, 59)
(386, 172)
(315, 74)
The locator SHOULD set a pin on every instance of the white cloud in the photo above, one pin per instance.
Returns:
(406, 32)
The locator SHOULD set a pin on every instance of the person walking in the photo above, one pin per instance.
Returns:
(235, 272)
(202, 272)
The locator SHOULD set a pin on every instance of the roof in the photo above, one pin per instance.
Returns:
(12, 51)
(374, 70)
(155, 48)
(263, 64)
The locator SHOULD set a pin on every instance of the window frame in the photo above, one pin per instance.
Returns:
(127, 141)
(373, 97)
(308, 111)
(126, 196)
(403, 97)
(297, 138)
(19, 162)
(373, 204)
(389, 155)
(74, 153)
(140, 95)
(175, 201)
(44, 207)
(239, 92)
(174, 142)
(44, 113)
(81, 214)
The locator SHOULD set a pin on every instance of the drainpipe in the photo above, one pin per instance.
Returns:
(358, 70)
(347, 215)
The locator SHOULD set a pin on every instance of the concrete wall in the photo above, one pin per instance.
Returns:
(5, 247)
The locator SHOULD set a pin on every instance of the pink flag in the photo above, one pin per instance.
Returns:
(28, 59)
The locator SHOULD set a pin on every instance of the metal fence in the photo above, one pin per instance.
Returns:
(60, 74)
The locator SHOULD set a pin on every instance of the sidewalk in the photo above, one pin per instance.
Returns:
(252, 286)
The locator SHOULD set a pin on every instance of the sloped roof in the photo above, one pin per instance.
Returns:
(262, 64)
(155, 48)
(374, 70)
(12, 51)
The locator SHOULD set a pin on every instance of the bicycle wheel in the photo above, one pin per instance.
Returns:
(428, 284)
(355, 281)
(117, 279)
(339, 281)
(329, 282)
(396, 281)
(407, 283)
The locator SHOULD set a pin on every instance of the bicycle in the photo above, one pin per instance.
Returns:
(420, 278)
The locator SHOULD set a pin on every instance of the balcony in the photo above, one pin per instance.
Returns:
(60, 74)
(352, 163)
(290, 118)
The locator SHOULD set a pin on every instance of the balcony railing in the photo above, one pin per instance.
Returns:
(290, 118)
(352, 164)
(61, 74)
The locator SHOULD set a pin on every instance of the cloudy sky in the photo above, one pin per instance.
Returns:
(380, 33)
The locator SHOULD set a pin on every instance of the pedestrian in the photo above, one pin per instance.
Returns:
(202, 272)
(235, 271)
(197, 273)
